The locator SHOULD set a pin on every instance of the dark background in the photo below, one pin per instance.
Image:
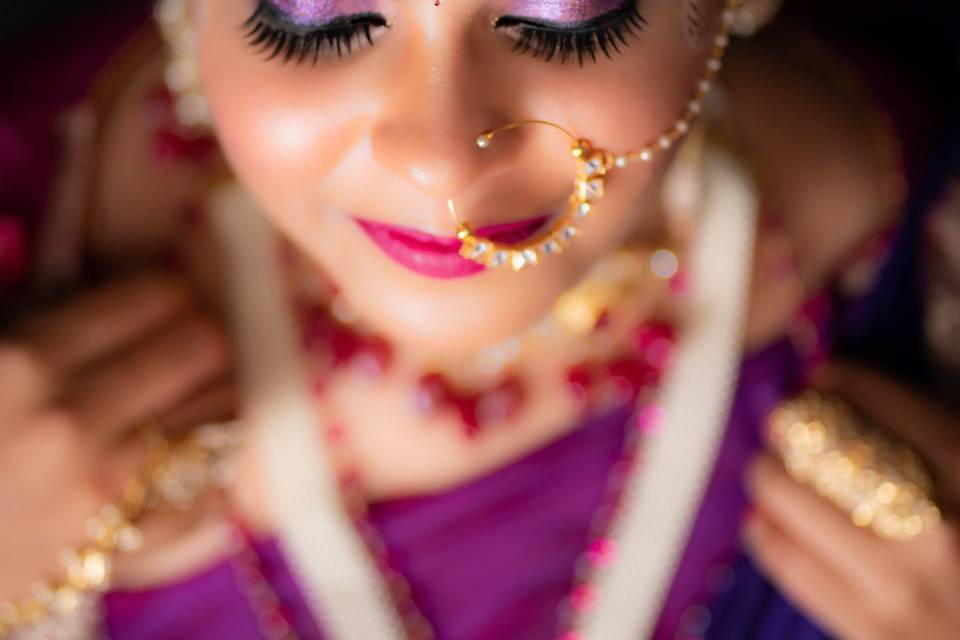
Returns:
(921, 36)
(937, 18)
(21, 16)
(18, 16)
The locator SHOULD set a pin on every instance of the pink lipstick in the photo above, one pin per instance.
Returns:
(439, 257)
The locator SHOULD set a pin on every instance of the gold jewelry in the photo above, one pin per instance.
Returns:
(308, 505)
(614, 290)
(182, 76)
(174, 475)
(609, 290)
(593, 166)
(878, 480)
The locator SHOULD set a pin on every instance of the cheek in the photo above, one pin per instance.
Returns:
(297, 136)
(283, 129)
(629, 101)
(624, 105)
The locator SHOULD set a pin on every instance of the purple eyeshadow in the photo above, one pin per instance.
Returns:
(562, 11)
(318, 11)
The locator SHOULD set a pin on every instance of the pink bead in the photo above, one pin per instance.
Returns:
(373, 358)
(170, 144)
(502, 402)
(680, 283)
(466, 407)
(602, 552)
(346, 344)
(651, 418)
(580, 379)
(631, 375)
(583, 597)
(571, 635)
(655, 342)
(432, 393)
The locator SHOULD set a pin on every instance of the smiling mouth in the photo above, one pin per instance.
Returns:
(439, 257)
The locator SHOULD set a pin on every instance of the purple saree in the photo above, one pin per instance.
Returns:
(490, 559)
(493, 558)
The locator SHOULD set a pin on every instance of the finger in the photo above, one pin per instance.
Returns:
(807, 581)
(149, 381)
(857, 554)
(26, 382)
(102, 321)
(933, 552)
(216, 402)
(57, 457)
(907, 414)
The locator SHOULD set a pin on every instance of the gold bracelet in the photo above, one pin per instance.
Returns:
(173, 475)
(879, 481)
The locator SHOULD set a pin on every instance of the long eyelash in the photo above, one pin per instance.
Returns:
(267, 31)
(606, 37)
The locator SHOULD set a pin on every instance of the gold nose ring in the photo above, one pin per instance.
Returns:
(593, 166)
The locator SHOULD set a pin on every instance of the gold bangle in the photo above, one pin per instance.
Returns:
(879, 481)
(175, 475)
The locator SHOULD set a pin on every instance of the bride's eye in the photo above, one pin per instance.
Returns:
(605, 34)
(278, 34)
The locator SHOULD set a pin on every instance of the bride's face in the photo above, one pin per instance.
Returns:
(340, 149)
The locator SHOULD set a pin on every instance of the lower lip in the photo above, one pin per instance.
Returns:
(437, 257)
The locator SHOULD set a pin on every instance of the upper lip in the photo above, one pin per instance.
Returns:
(505, 233)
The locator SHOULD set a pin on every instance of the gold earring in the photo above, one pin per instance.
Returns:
(593, 167)
(181, 76)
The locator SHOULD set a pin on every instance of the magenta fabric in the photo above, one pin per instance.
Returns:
(493, 558)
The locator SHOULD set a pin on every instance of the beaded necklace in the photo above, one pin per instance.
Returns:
(626, 559)
(615, 352)
(620, 379)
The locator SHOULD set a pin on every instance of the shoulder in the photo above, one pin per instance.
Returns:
(826, 161)
(825, 154)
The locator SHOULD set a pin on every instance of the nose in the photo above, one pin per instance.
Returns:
(426, 131)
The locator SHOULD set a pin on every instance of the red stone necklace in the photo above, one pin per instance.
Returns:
(614, 378)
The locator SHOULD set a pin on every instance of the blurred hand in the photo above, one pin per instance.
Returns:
(75, 384)
(855, 584)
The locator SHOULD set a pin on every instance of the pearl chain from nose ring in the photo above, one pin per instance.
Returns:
(593, 167)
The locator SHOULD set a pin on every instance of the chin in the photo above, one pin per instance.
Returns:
(460, 320)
